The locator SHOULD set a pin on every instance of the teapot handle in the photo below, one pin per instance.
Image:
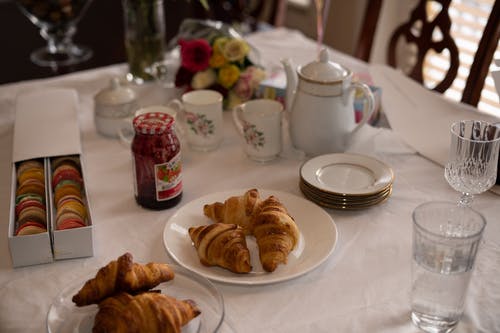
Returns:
(370, 108)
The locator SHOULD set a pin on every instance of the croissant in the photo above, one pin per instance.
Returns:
(240, 210)
(147, 312)
(223, 245)
(122, 275)
(275, 232)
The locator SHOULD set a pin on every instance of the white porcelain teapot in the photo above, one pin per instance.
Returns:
(320, 99)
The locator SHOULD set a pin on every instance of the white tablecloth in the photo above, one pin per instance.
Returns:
(364, 285)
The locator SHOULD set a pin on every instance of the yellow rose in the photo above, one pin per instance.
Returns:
(217, 60)
(203, 79)
(228, 75)
(219, 43)
(235, 49)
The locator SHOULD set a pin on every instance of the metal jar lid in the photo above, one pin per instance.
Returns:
(153, 123)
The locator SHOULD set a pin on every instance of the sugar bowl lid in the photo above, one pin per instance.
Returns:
(323, 70)
(115, 94)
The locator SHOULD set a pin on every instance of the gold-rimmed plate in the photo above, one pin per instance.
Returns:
(347, 174)
(344, 205)
(343, 198)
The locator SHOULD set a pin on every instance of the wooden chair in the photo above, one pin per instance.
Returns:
(423, 39)
(248, 12)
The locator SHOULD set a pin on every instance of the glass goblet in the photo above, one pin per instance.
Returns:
(472, 164)
(57, 21)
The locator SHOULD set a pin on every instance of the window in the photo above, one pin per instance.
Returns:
(468, 19)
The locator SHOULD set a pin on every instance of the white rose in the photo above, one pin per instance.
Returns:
(203, 79)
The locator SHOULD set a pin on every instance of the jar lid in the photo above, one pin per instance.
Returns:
(324, 70)
(153, 123)
(115, 94)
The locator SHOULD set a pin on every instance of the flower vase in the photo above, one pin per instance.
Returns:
(144, 25)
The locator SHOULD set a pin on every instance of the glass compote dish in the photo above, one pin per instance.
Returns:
(472, 165)
(57, 20)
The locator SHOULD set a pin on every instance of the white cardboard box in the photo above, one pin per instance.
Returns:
(47, 126)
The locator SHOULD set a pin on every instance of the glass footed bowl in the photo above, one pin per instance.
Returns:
(57, 20)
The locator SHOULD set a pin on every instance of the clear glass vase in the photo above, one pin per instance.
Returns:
(144, 37)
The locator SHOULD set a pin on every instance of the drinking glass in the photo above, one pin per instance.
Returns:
(472, 164)
(445, 242)
(57, 21)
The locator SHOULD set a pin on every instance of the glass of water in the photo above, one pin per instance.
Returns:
(472, 164)
(446, 237)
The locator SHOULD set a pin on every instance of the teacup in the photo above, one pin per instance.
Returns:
(259, 123)
(200, 112)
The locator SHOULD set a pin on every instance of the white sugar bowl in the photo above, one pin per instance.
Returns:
(111, 106)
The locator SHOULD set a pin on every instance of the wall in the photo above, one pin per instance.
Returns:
(345, 20)
(343, 25)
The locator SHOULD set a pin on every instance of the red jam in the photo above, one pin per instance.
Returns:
(157, 161)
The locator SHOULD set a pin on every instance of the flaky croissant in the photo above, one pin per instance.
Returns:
(146, 312)
(122, 275)
(223, 245)
(275, 232)
(240, 210)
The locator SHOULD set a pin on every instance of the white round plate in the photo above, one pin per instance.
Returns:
(317, 240)
(64, 316)
(347, 174)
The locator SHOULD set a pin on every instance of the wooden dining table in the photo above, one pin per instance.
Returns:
(360, 283)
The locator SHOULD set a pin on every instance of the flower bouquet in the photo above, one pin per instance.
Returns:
(220, 64)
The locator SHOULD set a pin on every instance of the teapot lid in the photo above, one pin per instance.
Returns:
(115, 94)
(323, 70)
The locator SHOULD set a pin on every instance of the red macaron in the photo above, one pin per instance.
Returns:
(30, 228)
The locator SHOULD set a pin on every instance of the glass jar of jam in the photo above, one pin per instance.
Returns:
(157, 161)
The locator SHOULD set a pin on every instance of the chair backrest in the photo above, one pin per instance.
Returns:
(420, 31)
(248, 12)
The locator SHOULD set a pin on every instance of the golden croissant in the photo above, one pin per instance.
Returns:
(275, 232)
(223, 245)
(122, 275)
(240, 210)
(146, 312)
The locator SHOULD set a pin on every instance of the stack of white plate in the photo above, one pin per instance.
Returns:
(346, 181)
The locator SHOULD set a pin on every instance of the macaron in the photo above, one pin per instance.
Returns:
(34, 186)
(66, 216)
(28, 202)
(70, 224)
(27, 165)
(66, 172)
(30, 196)
(70, 160)
(30, 228)
(67, 187)
(32, 213)
(69, 197)
(72, 206)
(33, 173)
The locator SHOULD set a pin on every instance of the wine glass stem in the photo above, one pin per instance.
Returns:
(465, 200)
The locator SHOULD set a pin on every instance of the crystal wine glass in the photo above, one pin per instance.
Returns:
(57, 21)
(472, 165)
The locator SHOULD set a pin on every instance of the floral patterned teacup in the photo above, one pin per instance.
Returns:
(259, 123)
(200, 111)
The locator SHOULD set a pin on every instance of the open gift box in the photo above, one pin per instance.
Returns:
(46, 129)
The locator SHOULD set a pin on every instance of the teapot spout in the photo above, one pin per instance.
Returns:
(291, 81)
